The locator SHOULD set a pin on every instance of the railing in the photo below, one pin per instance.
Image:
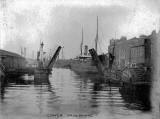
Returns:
(119, 74)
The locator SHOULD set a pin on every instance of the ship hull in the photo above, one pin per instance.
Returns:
(83, 67)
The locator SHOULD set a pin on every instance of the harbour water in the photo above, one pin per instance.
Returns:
(67, 95)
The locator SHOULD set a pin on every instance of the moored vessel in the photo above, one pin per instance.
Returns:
(83, 63)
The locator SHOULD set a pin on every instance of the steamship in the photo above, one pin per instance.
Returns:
(83, 64)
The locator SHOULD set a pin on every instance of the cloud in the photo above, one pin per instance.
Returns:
(59, 22)
(142, 21)
(67, 28)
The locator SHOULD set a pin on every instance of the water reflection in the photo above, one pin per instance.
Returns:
(65, 94)
(137, 97)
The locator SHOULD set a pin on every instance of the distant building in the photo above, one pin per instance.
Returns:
(12, 60)
(133, 52)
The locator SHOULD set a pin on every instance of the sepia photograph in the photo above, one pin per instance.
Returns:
(79, 59)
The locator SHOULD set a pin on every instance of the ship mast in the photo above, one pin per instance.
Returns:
(41, 51)
(96, 40)
(82, 43)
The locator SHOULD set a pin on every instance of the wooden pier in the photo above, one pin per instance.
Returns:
(19, 72)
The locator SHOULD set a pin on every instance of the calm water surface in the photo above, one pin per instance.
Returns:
(68, 95)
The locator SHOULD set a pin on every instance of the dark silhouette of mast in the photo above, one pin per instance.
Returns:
(96, 40)
(82, 43)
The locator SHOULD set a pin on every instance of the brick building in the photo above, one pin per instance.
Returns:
(133, 52)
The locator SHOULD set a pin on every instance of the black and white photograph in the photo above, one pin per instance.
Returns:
(79, 59)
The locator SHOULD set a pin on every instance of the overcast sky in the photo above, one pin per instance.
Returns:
(59, 22)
